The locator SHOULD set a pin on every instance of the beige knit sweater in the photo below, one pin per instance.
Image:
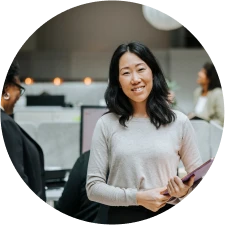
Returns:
(138, 157)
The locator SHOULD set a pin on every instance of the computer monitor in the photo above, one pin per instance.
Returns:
(89, 117)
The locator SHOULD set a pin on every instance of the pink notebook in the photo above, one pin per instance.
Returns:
(199, 172)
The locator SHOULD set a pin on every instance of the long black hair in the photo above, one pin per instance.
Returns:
(211, 73)
(157, 106)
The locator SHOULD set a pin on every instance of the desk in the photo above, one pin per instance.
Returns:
(40, 114)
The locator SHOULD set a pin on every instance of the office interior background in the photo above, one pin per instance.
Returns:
(78, 44)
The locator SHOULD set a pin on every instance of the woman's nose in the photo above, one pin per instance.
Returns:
(135, 78)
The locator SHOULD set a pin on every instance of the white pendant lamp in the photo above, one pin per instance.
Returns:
(159, 20)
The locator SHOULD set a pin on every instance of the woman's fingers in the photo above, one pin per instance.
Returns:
(173, 185)
(191, 181)
(165, 198)
(169, 190)
(163, 205)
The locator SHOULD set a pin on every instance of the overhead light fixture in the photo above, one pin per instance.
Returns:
(87, 80)
(57, 81)
(159, 20)
(28, 81)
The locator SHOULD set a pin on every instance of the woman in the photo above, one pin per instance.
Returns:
(208, 98)
(139, 142)
(25, 153)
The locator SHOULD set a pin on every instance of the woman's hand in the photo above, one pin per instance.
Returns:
(152, 199)
(191, 115)
(171, 96)
(177, 188)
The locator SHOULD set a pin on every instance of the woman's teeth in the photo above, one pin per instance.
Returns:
(138, 89)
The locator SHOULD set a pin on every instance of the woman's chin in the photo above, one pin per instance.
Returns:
(139, 100)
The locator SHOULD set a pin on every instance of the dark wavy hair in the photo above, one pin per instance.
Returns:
(157, 106)
(211, 73)
(13, 71)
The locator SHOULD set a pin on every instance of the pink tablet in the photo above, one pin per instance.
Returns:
(199, 172)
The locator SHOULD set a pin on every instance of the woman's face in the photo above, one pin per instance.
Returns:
(14, 92)
(135, 78)
(202, 78)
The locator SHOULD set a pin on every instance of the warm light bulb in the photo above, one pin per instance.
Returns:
(29, 81)
(87, 80)
(57, 81)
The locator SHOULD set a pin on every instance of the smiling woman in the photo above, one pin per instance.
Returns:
(139, 142)
(134, 72)
(135, 79)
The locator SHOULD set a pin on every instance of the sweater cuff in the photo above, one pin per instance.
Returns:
(131, 196)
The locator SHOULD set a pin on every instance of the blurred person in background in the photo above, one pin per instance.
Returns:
(208, 98)
(24, 152)
(74, 201)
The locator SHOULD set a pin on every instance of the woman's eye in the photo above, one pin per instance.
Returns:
(141, 69)
(125, 73)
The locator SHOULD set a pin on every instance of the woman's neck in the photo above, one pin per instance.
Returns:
(204, 90)
(140, 115)
(140, 110)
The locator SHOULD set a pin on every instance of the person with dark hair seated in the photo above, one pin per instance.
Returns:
(208, 98)
(74, 204)
(139, 142)
(24, 152)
